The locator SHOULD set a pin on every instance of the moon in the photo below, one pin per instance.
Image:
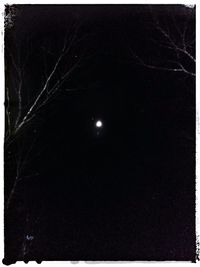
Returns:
(99, 124)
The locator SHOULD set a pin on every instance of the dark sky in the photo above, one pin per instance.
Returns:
(121, 192)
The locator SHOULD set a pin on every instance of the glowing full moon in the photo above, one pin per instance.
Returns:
(99, 124)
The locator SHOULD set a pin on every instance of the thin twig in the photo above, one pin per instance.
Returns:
(8, 110)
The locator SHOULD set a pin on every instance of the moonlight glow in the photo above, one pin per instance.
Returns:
(99, 124)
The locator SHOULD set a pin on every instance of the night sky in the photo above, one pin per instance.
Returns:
(111, 169)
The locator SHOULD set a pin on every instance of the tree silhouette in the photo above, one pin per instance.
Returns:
(37, 69)
(173, 40)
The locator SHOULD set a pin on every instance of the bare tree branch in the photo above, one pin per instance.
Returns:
(183, 59)
(180, 67)
(42, 98)
(8, 112)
